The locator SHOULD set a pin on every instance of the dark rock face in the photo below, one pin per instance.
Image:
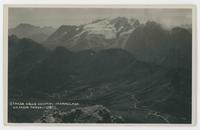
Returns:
(90, 114)
(152, 43)
(61, 35)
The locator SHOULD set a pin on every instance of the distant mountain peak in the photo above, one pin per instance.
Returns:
(36, 33)
(26, 25)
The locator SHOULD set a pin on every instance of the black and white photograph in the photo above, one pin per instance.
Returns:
(100, 65)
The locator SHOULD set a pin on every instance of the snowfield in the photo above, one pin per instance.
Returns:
(102, 28)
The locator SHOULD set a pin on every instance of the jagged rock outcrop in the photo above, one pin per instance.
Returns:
(90, 114)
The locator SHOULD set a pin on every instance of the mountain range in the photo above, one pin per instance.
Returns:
(97, 35)
(149, 42)
(140, 72)
(112, 77)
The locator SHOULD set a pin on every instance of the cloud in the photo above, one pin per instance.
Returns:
(56, 17)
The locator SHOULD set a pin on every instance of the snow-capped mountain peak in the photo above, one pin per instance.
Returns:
(111, 28)
(99, 34)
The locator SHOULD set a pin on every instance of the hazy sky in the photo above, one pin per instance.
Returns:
(56, 17)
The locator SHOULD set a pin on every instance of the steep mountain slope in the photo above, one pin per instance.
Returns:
(23, 55)
(151, 43)
(97, 35)
(36, 33)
